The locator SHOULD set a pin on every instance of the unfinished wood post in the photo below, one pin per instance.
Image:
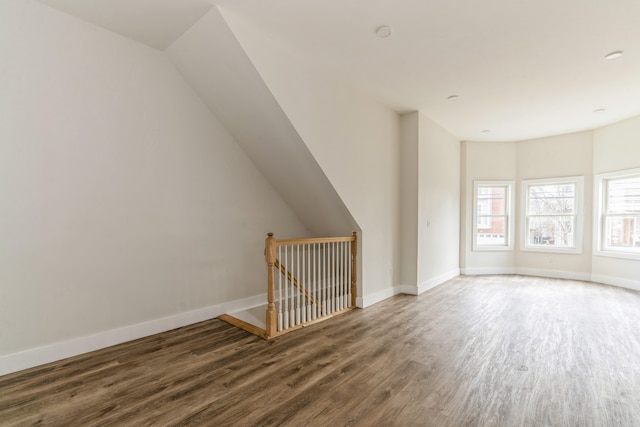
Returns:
(270, 256)
(354, 269)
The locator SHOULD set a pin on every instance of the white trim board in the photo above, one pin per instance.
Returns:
(369, 300)
(429, 284)
(479, 271)
(536, 272)
(616, 281)
(61, 350)
(557, 274)
(620, 282)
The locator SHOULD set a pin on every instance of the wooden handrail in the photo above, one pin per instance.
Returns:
(271, 244)
(293, 280)
(311, 240)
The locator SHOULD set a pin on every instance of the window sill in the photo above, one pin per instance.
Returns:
(551, 250)
(492, 249)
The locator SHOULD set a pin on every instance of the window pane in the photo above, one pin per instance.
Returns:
(623, 195)
(552, 199)
(495, 235)
(491, 200)
(555, 231)
(623, 232)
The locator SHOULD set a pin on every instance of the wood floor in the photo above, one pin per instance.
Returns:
(476, 351)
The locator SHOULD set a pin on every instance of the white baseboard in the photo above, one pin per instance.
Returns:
(557, 274)
(369, 300)
(478, 271)
(429, 284)
(408, 289)
(616, 281)
(61, 350)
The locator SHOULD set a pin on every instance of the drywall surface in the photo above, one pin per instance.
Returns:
(215, 65)
(123, 198)
(617, 147)
(554, 157)
(438, 204)
(354, 139)
(485, 161)
(409, 142)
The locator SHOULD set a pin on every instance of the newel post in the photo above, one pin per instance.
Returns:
(270, 256)
(354, 269)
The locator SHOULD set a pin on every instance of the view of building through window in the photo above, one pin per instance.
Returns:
(622, 214)
(491, 216)
(551, 215)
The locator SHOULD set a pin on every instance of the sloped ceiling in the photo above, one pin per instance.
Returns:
(521, 69)
(156, 23)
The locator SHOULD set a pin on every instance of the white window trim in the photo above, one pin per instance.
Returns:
(509, 214)
(598, 222)
(579, 205)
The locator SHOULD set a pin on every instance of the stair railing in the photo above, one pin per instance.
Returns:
(309, 280)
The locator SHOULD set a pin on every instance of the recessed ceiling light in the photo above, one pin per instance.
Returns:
(453, 97)
(600, 110)
(614, 55)
(486, 131)
(383, 32)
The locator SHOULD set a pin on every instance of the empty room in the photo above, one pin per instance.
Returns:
(296, 212)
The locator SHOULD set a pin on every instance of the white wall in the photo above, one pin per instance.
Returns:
(487, 161)
(617, 147)
(409, 164)
(552, 157)
(611, 148)
(213, 62)
(354, 139)
(123, 198)
(430, 200)
(438, 205)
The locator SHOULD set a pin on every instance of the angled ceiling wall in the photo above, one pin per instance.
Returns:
(214, 64)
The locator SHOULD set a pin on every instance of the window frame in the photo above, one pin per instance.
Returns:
(509, 210)
(600, 206)
(578, 214)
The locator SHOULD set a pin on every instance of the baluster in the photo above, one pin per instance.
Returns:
(337, 276)
(324, 279)
(292, 303)
(328, 285)
(354, 269)
(298, 317)
(348, 274)
(302, 285)
(309, 293)
(345, 281)
(341, 275)
(279, 289)
(332, 276)
(314, 278)
(343, 263)
(286, 288)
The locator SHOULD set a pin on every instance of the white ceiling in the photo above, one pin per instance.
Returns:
(521, 68)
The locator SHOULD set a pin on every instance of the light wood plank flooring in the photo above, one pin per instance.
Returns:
(476, 351)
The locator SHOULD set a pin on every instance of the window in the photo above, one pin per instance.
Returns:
(618, 207)
(552, 215)
(493, 209)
